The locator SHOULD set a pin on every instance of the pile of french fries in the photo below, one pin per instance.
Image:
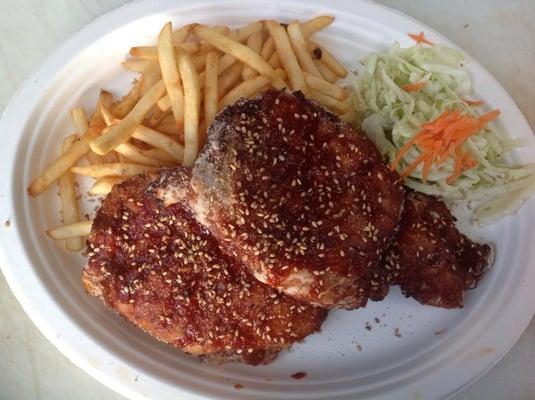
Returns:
(192, 74)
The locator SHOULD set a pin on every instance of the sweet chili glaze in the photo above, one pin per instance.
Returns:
(153, 263)
(302, 198)
(430, 259)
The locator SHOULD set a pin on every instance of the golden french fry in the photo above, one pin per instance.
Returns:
(78, 229)
(254, 42)
(229, 80)
(151, 52)
(268, 48)
(274, 60)
(106, 115)
(150, 77)
(164, 104)
(336, 92)
(79, 120)
(161, 155)
(239, 51)
(167, 128)
(135, 155)
(140, 66)
(113, 169)
(161, 141)
(315, 24)
(244, 89)
(170, 74)
(225, 63)
(192, 107)
(199, 61)
(287, 56)
(349, 116)
(97, 123)
(300, 48)
(320, 53)
(127, 102)
(210, 87)
(334, 105)
(67, 194)
(62, 164)
(121, 132)
(243, 33)
(105, 185)
(180, 35)
(327, 74)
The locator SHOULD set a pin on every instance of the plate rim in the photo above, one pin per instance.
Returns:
(65, 51)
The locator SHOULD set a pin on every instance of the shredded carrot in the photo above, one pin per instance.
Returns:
(474, 103)
(413, 87)
(420, 38)
(443, 138)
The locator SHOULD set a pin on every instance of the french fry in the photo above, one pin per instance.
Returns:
(114, 169)
(210, 87)
(243, 33)
(289, 60)
(192, 106)
(79, 120)
(170, 74)
(167, 129)
(327, 74)
(163, 142)
(151, 52)
(150, 77)
(107, 117)
(300, 48)
(225, 63)
(180, 35)
(349, 116)
(67, 194)
(136, 155)
(239, 51)
(338, 107)
(97, 122)
(254, 42)
(274, 60)
(105, 185)
(121, 132)
(160, 155)
(78, 229)
(229, 80)
(62, 164)
(321, 54)
(127, 102)
(140, 65)
(199, 61)
(336, 92)
(244, 89)
(315, 24)
(268, 48)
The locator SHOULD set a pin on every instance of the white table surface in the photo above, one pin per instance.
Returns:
(500, 34)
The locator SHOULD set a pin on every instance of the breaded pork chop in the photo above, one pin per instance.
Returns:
(150, 261)
(299, 196)
(430, 259)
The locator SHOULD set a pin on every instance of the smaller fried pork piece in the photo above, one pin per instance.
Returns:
(431, 260)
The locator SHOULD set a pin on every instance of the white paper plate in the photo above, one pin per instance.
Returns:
(439, 351)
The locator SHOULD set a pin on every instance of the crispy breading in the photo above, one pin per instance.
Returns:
(151, 261)
(430, 259)
(299, 196)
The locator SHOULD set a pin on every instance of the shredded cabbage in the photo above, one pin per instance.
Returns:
(390, 116)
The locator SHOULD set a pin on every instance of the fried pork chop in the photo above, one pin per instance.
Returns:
(150, 261)
(299, 197)
(430, 259)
